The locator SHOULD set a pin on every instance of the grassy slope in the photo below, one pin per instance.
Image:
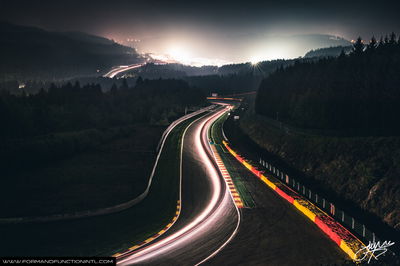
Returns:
(229, 161)
(362, 170)
(105, 235)
(113, 173)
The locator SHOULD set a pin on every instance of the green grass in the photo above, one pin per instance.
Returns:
(113, 173)
(231, 166)
(108, 234)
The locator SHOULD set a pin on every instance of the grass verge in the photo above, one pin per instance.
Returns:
(108, 234)
(217, 137)
(110, 174)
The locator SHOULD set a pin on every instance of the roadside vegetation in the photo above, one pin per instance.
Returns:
(335, 122)
(106, 234)
(357, 94)
(74, 148)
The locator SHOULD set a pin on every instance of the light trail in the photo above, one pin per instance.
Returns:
(219, 205)
(227, 107)
(112, 73)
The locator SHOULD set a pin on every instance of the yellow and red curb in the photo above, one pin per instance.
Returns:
(150, 239)
(349, 243)
(227, 178)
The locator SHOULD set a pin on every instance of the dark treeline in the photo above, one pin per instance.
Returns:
(72, 107)
(228, 84)
(63, 121)
(330, 51)
(358, 93)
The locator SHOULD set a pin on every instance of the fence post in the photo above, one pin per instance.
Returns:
(309, 193)
(316, 198)
(304, 190)
(287, 179)
(352, 223)
(363, 230)
(373, 237)
(323, 203)
(298, 186)
(332, 209)
(342, 216)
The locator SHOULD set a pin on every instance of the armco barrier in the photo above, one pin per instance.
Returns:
(349, 243)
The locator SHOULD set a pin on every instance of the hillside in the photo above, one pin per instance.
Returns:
(328, 52)
(335, 121)
(358, 93)
(33, 53)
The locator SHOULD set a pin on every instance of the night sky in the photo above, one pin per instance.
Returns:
(211, 31)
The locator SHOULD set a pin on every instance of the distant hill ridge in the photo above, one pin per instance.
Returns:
(34, 53)
(328, 52)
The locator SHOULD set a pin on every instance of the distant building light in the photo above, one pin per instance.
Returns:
(21, 85)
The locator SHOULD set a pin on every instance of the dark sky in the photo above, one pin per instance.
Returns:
(210, 30)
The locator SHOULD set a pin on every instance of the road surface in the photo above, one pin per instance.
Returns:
(212, 231)
(117, 70)
(273, 232)
(208, 219)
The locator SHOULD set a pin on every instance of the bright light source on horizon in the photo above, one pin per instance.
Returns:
(273, 52)
(180, 54)
(256, 59)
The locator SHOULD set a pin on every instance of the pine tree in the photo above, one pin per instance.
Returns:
(139, 81)
(381, 43)
(372, 45)
(392, 39)
(342, 54)
(124, 84)
(114, 89)
(386, 41)
(358, 47)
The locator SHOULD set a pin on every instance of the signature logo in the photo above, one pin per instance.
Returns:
(373, 250)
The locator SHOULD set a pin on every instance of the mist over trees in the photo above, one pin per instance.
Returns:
(359, 91)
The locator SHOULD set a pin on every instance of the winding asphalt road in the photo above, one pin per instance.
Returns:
(211, 230)
(115, 71)
(208, 217)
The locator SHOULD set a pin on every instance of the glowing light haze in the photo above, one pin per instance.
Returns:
(217, 32)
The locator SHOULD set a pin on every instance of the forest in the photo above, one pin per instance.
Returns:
(64, 120)
(356, 93)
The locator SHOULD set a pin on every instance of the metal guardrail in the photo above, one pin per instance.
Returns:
(356, 227)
